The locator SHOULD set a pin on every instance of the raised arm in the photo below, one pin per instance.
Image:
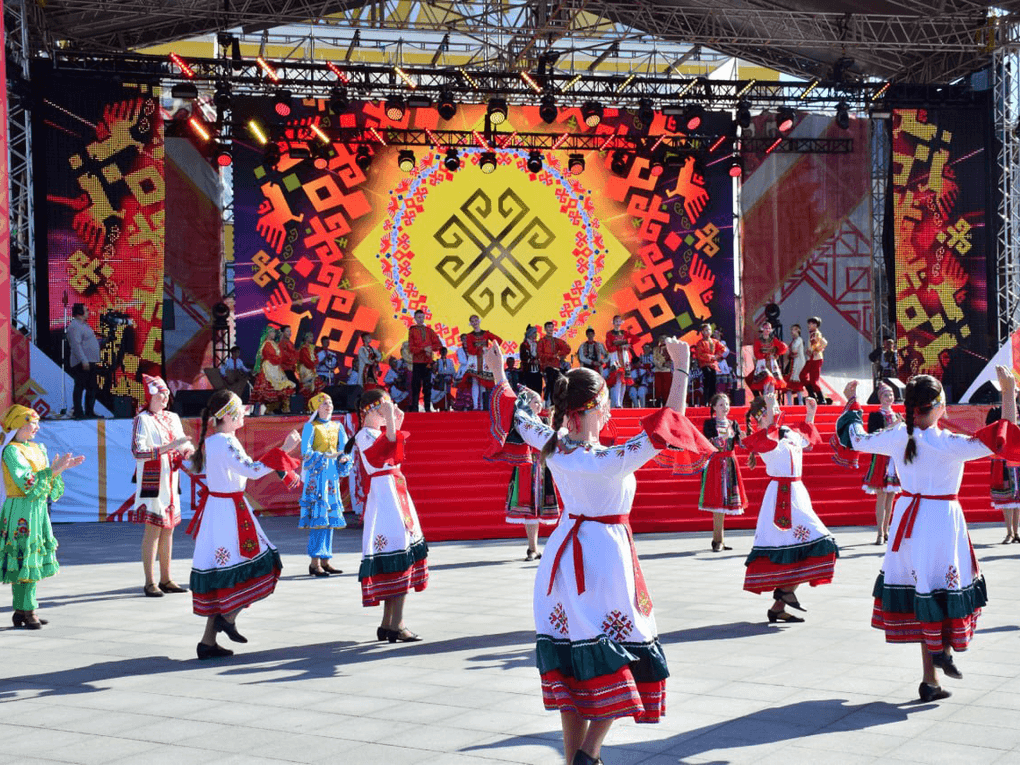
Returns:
(680, 354)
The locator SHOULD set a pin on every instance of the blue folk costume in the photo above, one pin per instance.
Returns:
(322, 508)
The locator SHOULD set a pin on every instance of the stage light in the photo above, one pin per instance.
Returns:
(548, 111)
(487, 162)
(575, 164)
(222, 154)
(281, 102)
(784, 120)
(744, 114)
(497, 110)
(619, 162)
(319, 132)
(592, 113)
(656, 167)
(186, 91)
(405, 160)
(535, 162)
(338, 100)
(257, 133)
(221, 315)
(236, 62)
(645, 111)
(270, 72)
(363, 159)
(395, 108)
(692, 117)
(447, 108)
(199, 128)
(271, 156)
(452, 161)
(222, 97)
(186, 70)
(843, 115)
(736, 167)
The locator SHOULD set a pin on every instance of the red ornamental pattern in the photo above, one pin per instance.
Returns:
(801, 533)
(222, 556)
(380, 542)
(952, 578)
(558, 619)
(617, 625)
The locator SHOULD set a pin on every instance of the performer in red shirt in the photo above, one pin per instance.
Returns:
(618, 343)
(551, 352)
(424, 343)
(289, 357)
(478, 340)
(707, 352)
(767, 350)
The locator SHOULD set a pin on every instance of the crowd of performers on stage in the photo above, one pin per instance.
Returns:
(598, 651)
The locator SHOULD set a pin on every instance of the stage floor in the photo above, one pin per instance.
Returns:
(113, 678)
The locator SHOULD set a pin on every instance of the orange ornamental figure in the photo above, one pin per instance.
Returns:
(618, 344)
(476, 341)
(551, 352)
(707, 352)
(767, 350)
(424, 343)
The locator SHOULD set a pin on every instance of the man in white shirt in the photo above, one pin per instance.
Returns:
(236, 374)
(84, 358)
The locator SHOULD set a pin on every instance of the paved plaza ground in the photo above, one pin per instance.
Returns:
(113, 678)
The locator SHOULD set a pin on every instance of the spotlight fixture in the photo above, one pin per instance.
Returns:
(497, 111)
(784, 120)
(535, 162)
(548, 111)
(222, 97)
(281, 102)
(271, 156)
(619, 162)
(744, 114)
(736, 167)
(656, 167)
(592, 113)
(487, 162)
(843, 115)
(447, 107)
(338, 100)
(363, 159)
(452, 161)
(395, 108)
(186, 91)
(645, 111)
(405, 160)
(575, 164)
(692, 117)
(222, 154)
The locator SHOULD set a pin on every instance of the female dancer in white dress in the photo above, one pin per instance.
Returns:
(598, 651)
(159, 447)
(235, 564)
(791, 544)
(930, 589)
(881, 479)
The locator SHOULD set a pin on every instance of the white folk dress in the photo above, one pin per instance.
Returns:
(930, 588)
(598, 650)
(394, 554)
(235, 564)
(157, 495)
(791, 544)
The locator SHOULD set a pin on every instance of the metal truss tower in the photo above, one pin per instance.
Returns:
(1007, 129)
(881, 156)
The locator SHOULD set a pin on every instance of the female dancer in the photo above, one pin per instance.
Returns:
(722, 488)
(1005, 486)
(930, 589)
(598, 651)
(394, 552)
(791, 545)
(28, 549)
(272, 389)
(323, 463)
(369, 358)
(766, 372)
(531, 496)
(235, 564)
(881, 479)
(160, 447)
(309, 381)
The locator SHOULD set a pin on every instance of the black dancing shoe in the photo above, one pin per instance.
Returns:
(313, 571)
(581, 757)
(782, 616)
(213, 651)
(929, 692)
(716, 546)
(171, 586)
(403, 635)
(329, 569)
(944, 661)
(382, 634)
(222, 625)
(788, 597)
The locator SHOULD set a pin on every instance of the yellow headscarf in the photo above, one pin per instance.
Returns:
(315, 401)
(18, 415)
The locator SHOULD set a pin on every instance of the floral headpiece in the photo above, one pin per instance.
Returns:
(597, 401)
(233, 408)
(375, 405)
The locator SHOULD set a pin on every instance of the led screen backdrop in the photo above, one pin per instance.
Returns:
(101, 150)
(941, 202)
(338, 250)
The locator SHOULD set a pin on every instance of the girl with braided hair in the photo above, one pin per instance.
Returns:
(598, 651)
(930, 589)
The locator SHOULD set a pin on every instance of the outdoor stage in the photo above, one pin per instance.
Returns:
(460, 496)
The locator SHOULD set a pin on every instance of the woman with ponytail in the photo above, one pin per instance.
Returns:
(791, 544)
(598, 651)
(324, 462)
(235, 564)
(930, 589)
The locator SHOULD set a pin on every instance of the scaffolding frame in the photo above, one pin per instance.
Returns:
(881, 157)
(1006, 72)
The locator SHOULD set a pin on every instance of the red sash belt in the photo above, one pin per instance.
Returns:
(782, 517)
(247, 538)
(642, 598)
(403, 502)
(906, 527)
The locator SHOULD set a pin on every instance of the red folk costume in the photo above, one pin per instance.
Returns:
(766, 365)
(475, 345)
(722, 487)
(551, 351)
(419, 338)
(881, 475)
(618, 344)
(271, 386)
(288, 355)
(708, 352)
(311, 383)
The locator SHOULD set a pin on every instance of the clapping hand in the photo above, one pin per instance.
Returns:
(65, 461)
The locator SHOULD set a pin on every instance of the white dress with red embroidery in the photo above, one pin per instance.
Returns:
(235, 564)
(394, 554)
(157, 499)
(598, 650)
(791, 544)
(930, 588)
